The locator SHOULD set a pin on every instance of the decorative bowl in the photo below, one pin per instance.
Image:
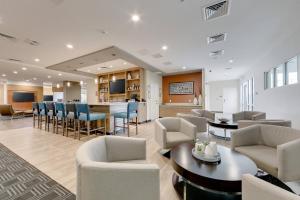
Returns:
(223, 120)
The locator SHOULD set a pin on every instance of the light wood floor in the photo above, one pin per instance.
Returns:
(55, 154)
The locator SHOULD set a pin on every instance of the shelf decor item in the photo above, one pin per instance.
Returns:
(129, 76)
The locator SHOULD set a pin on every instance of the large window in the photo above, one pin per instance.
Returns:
(292, 71)
(284, 74)
(279, 77)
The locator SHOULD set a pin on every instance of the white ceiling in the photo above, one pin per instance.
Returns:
(107, 67)
(253, 28)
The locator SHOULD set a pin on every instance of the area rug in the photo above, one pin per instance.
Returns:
(19, 180)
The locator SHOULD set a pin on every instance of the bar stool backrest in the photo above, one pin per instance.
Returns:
(42, 108)
(60, 109)
(51, 107)
(83, 109)
(71, 108)
(132, 107)
(35, 108)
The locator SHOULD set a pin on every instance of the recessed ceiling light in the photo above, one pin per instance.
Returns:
(59, 74)
(34, 79)
(135, 18)
(81, 82)
(49, 76)
(15, 72)
(98, 68)
(125, 63)
(57, 86)
(27, 80)
(68, 84)
(88, 70)
(165, 47)
(231, 61)
(183, 67)
(37, 60)
(3, 75)
(111, 66)
(24, 68)
(69, 46)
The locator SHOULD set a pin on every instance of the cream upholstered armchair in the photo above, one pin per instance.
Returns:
(274, 149)
(248, 115)
(199, 122)
(204, 113)
(275, 122)
(112, 167)
(171, 131)
(254, 188)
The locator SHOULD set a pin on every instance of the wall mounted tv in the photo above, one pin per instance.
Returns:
(23, 97)
(117, 86)
(48, 98)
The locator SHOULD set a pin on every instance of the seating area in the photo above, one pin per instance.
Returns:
(149, 100)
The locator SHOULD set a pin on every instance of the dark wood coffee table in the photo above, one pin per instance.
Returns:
(222, 180)
(222, 125)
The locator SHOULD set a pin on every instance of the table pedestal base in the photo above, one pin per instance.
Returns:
(190, 191)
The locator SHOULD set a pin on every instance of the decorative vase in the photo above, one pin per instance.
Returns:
(195, 101)
(200, 99)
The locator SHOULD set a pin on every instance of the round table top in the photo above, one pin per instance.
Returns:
(218, 124)
(225, 175)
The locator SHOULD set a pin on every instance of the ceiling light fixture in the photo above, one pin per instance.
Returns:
(98, 68)
(34, 79)
(114, 78)
(164, 47)
(111, 66)
(125, 63)
(183, 67)
(70, 46)
(49, 76)
(81, 82)
(88, 70)
(135, 18)
(231, 61)
(24, 68)
(37, 60)
(59, 74)
(68, 84)
(27, 80)
(15, 72)
(3, 75)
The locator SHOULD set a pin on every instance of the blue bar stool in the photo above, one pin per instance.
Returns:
(60, 117)
(132, 112)
(72, 118)
(43, 113)
(35, 113)
(85, 116)
(51, 115)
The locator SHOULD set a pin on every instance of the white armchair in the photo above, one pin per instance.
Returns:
(254, 188)
(171, 131)
(112, 167)
(274, 149)
(199, 122)
(248, 115)
(275, 122)
(204, 113)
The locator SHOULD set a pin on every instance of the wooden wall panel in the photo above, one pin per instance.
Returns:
(196, 77)
(38, 95)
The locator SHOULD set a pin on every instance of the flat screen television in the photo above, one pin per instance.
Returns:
(23, 97)
(117, 86)
(48, 98)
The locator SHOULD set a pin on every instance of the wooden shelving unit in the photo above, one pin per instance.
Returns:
(134, 85)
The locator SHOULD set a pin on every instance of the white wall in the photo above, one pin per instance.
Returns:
(92, 91)
(215, 95)
(283, 102)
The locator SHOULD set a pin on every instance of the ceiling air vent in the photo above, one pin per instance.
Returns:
(32, 42)
(216, 38)
(14, 60)
(157, 55)
(8, 37)
(216, 10)
(216, 53)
